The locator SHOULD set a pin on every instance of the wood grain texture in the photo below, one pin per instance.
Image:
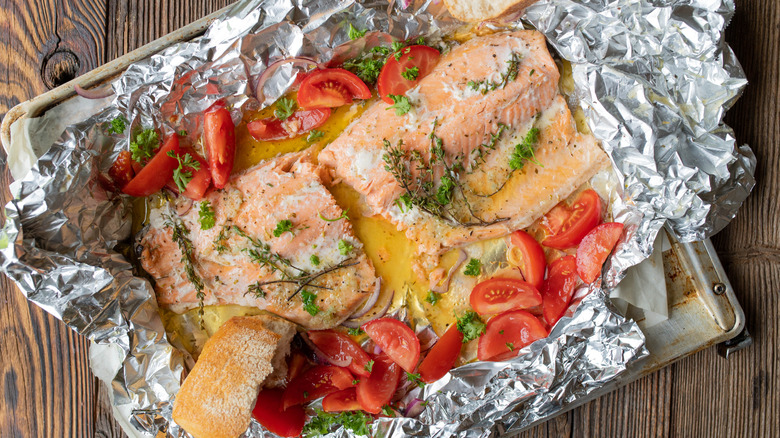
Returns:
(49, 392)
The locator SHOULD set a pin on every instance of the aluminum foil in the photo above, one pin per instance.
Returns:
(654, 78)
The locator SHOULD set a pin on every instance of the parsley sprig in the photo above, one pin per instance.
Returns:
(433, 297)
(320, 424)
(355, 33)
(309, 300)
(410, 73)
(283, 226)
(206, 216)
(473, 268)
(470, 325)
(182, 175)
(285, 107)
(117, 126)
(401, 104)
(143, 144)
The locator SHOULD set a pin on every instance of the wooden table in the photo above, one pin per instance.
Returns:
(49, 391)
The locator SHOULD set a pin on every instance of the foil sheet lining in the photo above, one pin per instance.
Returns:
(654, 78)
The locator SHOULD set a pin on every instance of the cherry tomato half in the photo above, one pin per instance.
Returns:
(391, 78)
(201, 178)
(595, 248)
(442, 356)
(530, 256)
(331, 88)
(507, 333)
(314, 383)
(558, 289)
(339, 347)
(121, 172)
(376, 390)
(283, 422)
(299, 123)
(220, 140)
(157, 171)
(498, 295)
(566, 225)
(396, 339)
(340, 401)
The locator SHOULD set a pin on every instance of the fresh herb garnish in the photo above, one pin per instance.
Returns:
(283, 226)
(320, 424)
(309, 302)
(345, 248)
(367, 66)
(524, 151)
(410, 73)
(369, 366)
(433, 297)
(220, 242)
(388, 411)
(415, 379)
(285, 107)
(181, 235)
(473, 268)
(470, 325)
(446, 187)
(481, 152)
(343, 216)
(357, 331)
(511, 346)
(485, 86)
(354, 33)
(182, 133)
(404, 202)
(314, 135)
(355, 381)
(315, 260)
(182, 175)
(206, 216)
(117, 126)
(401, 104)
(257, 290)
(143, 144)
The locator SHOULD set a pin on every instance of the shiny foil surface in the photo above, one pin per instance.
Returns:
(654, 78)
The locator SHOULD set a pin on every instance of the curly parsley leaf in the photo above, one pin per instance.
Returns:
(117, 126)
(410, 73)
(473, 268)
(433, 297)
(320, 424)
(206, 216)
(314, 135)
(357, 331)
(524, 151)
(283, 226)
(444, 194)
(510, 346)
(369, 365)
(345, 248)
(354, 33)
(182, 175)
(285, 107)
(401, 104)
(387, 411)
(470, 325)
(143, 144)
(315, 260)
(309, 302)
(415, 379)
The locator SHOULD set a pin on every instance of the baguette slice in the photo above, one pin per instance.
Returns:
(481, 10)
(217, 397)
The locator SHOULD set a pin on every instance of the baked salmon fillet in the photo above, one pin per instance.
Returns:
(279, 242)
(487, 147)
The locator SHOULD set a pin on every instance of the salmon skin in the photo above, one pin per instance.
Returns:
(469, 118)
(253, 257)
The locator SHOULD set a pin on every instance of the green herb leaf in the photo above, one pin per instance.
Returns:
(143, 145)
(433, 297)
(415, 379)
(180, 235)
(183, 133)
(354, 33)
(117, 126)
(257, 290)
(511, 346)
(473, 268)
(309, 302)
(320, 424)
(315, 261)
(283, 226)
(401, 104)
(369, 366)
(314, 135)
(285, 107)
(404, 202)
(388, 411)
(485, 86)
(444, 194)
(357, 331)
(343, 216)
(524, 151)
(355, 381)
(206, 216)
(182, 175)
(410, 73)
(470, 325)
(345, 248)
(367, 66)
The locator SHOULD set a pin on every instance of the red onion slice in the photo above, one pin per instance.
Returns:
(269, 71)
(369, 304)
(445, 286)
(95, 93)
(322, 356)
(353, 323)
(183, 205)
(415, 407)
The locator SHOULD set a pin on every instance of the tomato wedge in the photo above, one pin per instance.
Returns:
(340, 401)
(558, 288)
(296, 364)
(121, 171)
(595, 248)
(201, 178)
(498, 295)
(339, 347)
(220, 140)
(396, 339)
(282, 422)
(299, 123)
(530, 257)
(391, 78)
(157, 171)
(314, 383)
(377, 390)
(507, 333)
(442, 356)
(331, 88)
(566, 225)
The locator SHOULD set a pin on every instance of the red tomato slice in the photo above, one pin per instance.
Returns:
(314, 383)
(377, 390)
(282, 422)
(201, 178)
(296, 364)
(507, 333)
(121, 172)
(396, 339)
(391, 80)
(330, 88)
(567, 225)
(442, 356)
(296, 125)
(595, 248)
(558, 288)
(220, 140)
(498, 295)
(157, 171)
(532, 258)
(339, 347)
(340, 401)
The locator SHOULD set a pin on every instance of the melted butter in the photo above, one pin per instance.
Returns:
(184, 329)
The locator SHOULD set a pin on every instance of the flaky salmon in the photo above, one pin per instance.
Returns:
(279, 242)
(487, 147)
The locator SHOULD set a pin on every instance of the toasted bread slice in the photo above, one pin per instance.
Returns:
(480, 10)
(217, 397)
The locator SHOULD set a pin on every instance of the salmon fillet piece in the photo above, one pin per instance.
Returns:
(245, 250)
(480, 101)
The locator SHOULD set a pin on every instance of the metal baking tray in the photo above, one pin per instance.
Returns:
(703, 309)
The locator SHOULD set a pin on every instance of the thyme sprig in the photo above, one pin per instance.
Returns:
(525, 151)
(485, 86)
(482, 151)
(180, 235)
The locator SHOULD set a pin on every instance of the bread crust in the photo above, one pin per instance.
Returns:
(481, 10)
(217, 397)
